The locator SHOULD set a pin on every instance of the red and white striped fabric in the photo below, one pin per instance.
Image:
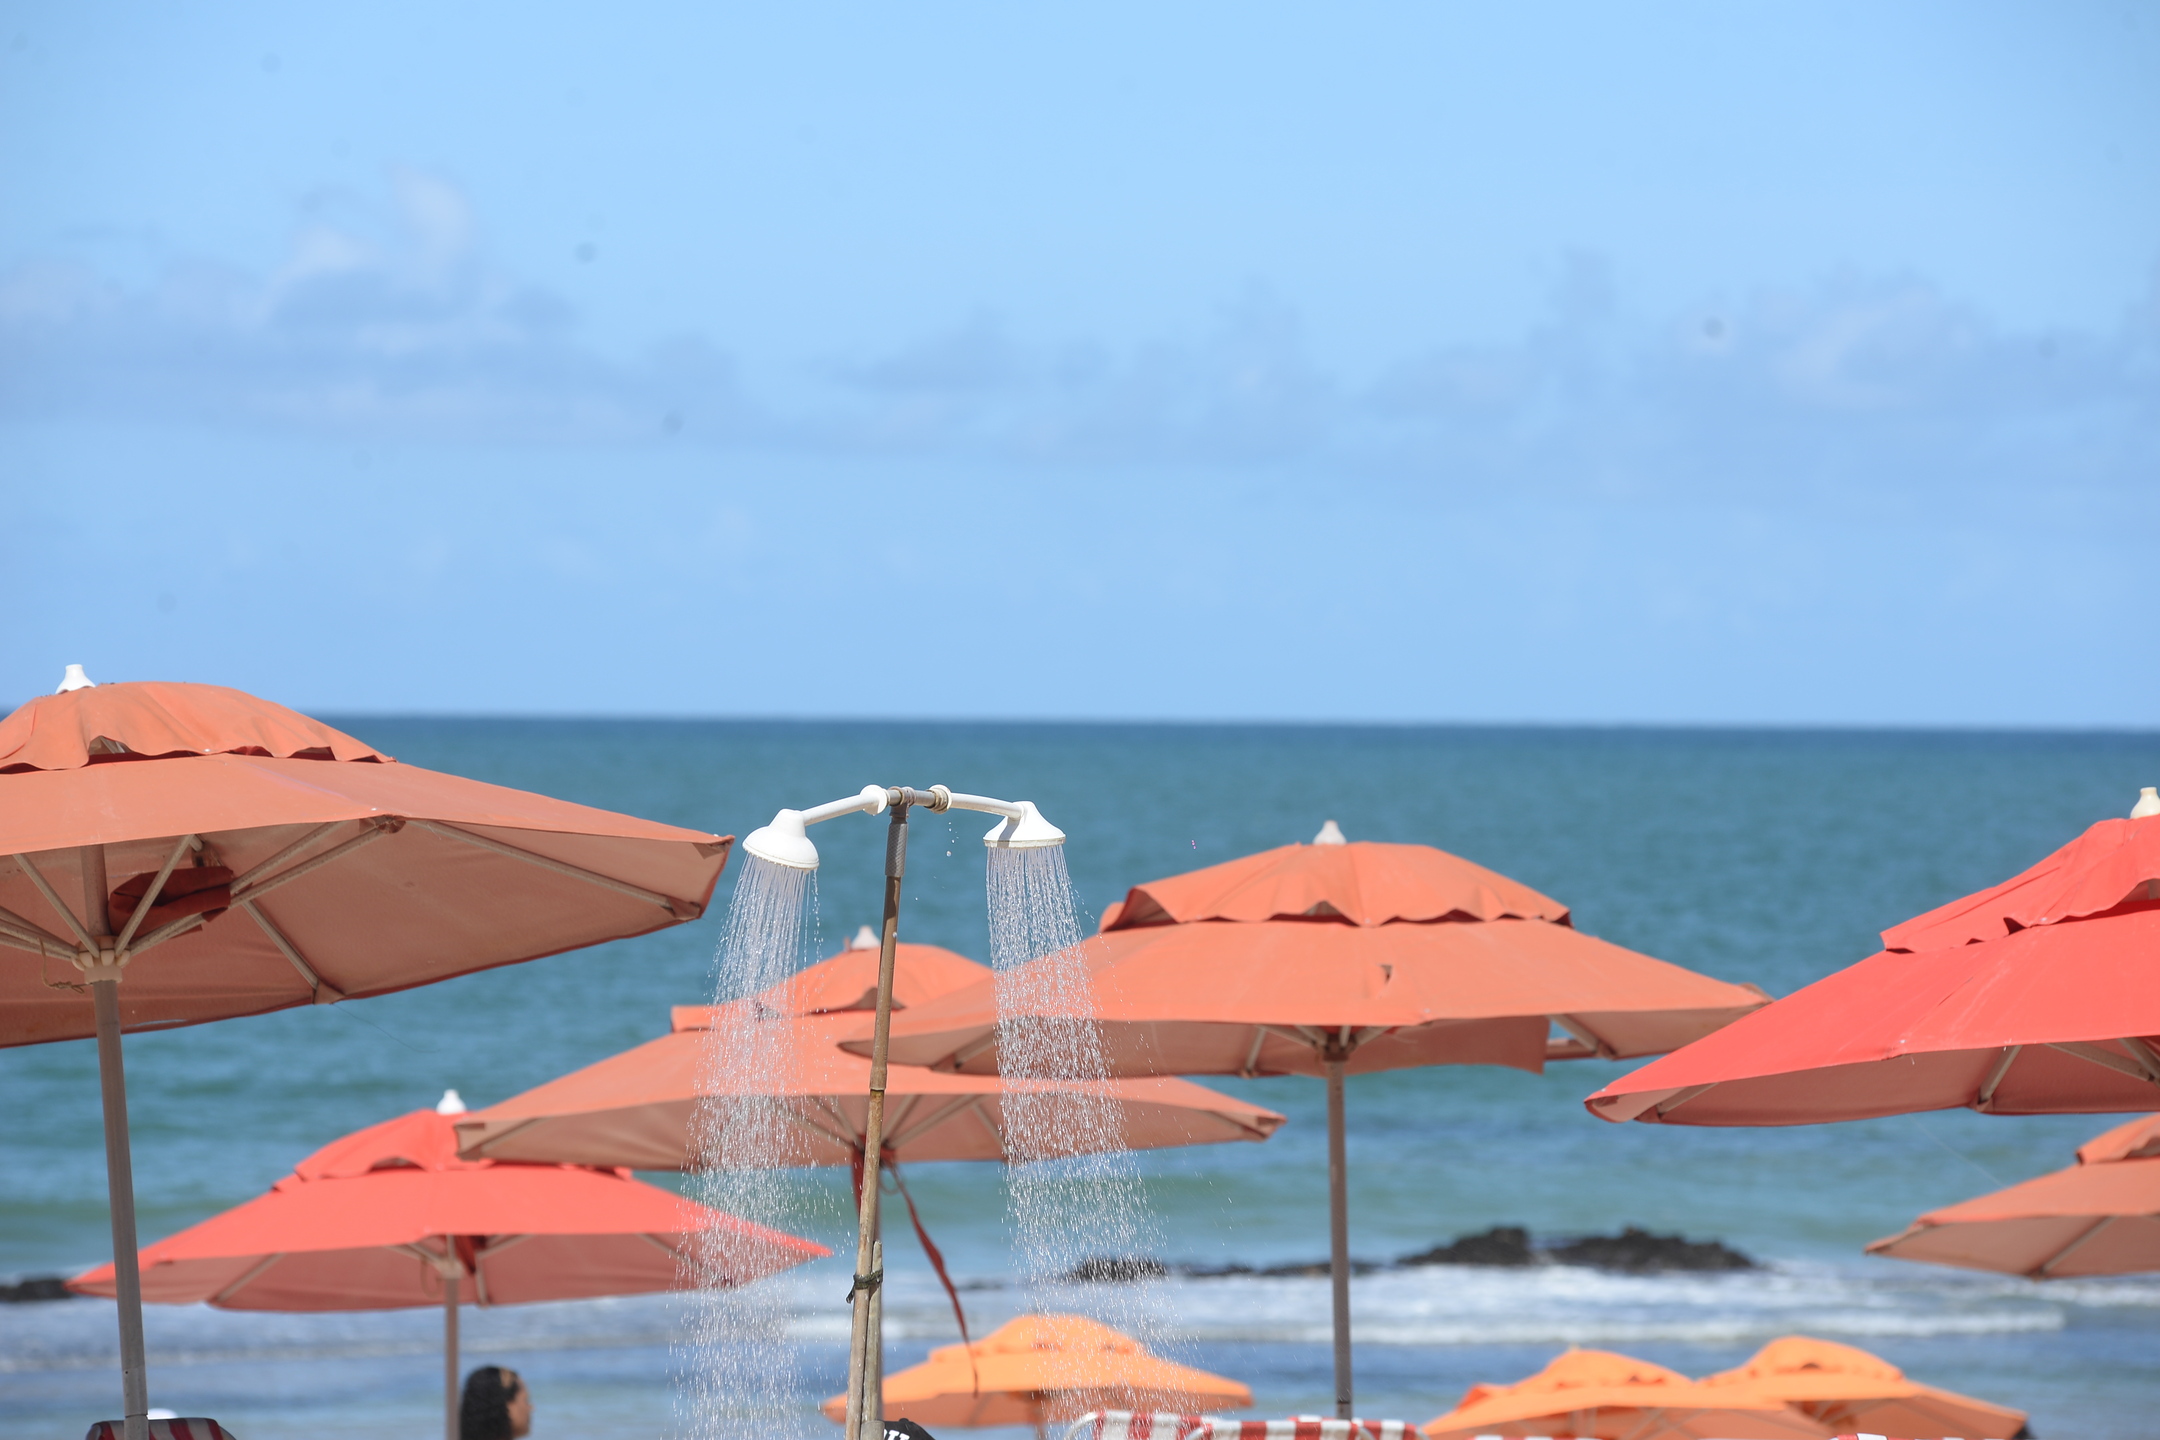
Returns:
(1129, 1425)
(196, 1429)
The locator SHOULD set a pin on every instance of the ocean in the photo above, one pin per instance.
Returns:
(1752, 855)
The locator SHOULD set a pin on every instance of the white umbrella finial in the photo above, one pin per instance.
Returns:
(865, 939)
(451, 1103)
(1330, 834)
(74, 680)
(2148, 803)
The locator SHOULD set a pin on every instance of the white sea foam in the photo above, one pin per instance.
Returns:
(1432, 1306)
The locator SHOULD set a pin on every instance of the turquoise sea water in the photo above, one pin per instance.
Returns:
(1772, 857)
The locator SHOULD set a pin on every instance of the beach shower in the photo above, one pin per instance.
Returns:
(786, 842)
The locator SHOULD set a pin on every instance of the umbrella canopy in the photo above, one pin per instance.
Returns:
(227, 856)
(2058, 1012)
(1596, 1393)
(1850, 1390)
(389, 1218)
(2113, 866)
(2099, 1217)
(306, 867)
(1044, 1368)
(383, 1218)
(1266, 965)
(638, 1108)
(1337, 958)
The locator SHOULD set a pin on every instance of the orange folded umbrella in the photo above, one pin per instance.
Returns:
(389, 1218)
(2036, 997)
(2100, 1217)
(1850, 1390)
(227, 856)
(1334, 958)
(1597, 1395)
(638, 1108)
(1039, 1369)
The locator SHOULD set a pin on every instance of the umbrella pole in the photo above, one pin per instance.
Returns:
(120, 1187)
(119, 1162)
(450, 1349)
(1338, 1184)
(866, 1407)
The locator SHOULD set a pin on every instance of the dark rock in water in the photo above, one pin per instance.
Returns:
(1639, 1252)
(36, 1287)
(1214, 1272)
(1319, 1269)
(1501, 1245)
(1634, 1251)
(1116, 1269)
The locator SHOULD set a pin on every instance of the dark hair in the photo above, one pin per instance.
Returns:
(484, 1411)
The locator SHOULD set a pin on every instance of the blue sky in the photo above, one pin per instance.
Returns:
(1695, 363)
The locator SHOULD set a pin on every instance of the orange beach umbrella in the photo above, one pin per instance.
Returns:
(1598, 1395)
(1044, 1368)
(225, 856)
(2035, 997)
(1336, 958)
(2099, 1217)
(1847, 1389)
(638, 1108)
(390, 1218)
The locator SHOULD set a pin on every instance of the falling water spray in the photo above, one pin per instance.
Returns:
(739, 1368)
(1074, 1193)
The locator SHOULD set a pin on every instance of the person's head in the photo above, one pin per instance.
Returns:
(496, 1406)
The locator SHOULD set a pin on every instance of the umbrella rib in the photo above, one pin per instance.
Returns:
(28, 930)
(375, 831)
(996, 1135)
(560, 867)
(150, 896)
(254, 1274)
(1584, 1033)
(827, 1106)
(35, 944)
(813, 1124)
(245, 881)
(1681, 1097)
(966, 1053)
(1995, 1076)
(171, 929)
(2135, 1067)
(37, 878)
(936, 1118)
(2048, 1266)
(1252, 1056)
(285, 946)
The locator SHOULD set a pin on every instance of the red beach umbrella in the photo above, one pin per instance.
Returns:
(226, 856)
(1337, 958)
(2099, 1217)
(2036, 997)
(389, 1218)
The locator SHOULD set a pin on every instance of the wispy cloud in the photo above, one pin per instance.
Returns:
(388, 318)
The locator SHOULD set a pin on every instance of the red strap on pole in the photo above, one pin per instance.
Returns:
(937, 1263)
